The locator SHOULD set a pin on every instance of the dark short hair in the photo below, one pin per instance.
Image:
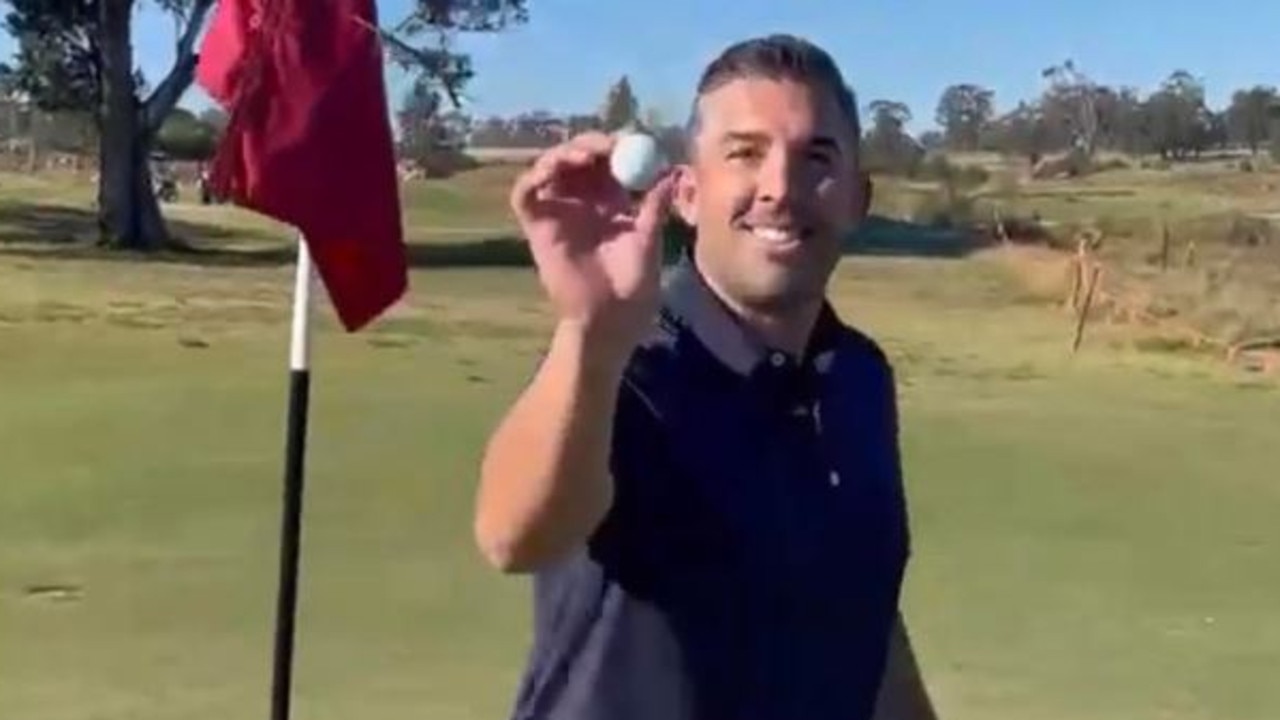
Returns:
(778, 57)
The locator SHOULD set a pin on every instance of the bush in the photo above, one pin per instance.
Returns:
(942, 210)
(1249, 231)
(938, 168)
(445, 162)
(186, 139)
(1114, 163)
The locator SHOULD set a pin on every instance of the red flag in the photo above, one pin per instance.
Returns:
(309, 139)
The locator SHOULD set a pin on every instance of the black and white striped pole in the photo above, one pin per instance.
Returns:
(295, 454)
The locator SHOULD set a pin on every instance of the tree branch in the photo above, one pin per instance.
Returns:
(166, 95)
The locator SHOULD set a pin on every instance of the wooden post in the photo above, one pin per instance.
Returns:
(1083, 316)
(1079, 270)
(1164, 246)
(1073, 294)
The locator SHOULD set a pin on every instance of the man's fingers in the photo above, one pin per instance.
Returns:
(578, 153)
(595, 142)
(548, 166)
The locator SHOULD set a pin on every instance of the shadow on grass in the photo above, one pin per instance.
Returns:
(42, 224)
(882, 236)
(58, 231)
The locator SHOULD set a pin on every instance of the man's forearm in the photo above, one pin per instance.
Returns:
(903, 695)
(545, 482)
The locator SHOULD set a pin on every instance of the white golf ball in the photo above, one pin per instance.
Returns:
(637, 161)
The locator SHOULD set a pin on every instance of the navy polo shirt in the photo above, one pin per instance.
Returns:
(750, 566)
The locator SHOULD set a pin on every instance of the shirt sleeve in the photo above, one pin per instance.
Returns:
(639, 468)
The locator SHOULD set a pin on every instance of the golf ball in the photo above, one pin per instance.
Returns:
(636, 161)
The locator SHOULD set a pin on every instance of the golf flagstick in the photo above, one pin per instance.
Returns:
(295, 453)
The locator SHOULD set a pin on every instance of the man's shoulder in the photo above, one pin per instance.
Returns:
(857, 340)
(660, 351)
(859, 350)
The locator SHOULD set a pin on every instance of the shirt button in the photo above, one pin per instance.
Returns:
(778, 359)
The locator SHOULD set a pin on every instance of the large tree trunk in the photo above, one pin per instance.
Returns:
(128, 212)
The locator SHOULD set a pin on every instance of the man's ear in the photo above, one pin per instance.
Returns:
(686, 195)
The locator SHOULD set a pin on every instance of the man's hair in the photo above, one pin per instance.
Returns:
(777, 57)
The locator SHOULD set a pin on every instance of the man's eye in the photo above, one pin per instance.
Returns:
(821, 157)
(743, 153)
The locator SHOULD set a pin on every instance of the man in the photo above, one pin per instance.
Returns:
(703, 476)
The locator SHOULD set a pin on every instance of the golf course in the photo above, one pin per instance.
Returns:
(1094, 533)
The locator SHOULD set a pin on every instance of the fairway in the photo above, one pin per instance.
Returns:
(1094, 536)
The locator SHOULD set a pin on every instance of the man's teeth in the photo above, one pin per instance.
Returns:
(775, 235)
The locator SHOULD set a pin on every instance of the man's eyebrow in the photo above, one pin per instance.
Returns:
(824, 142)
(747, 136)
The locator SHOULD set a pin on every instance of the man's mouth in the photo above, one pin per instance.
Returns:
(779, 236)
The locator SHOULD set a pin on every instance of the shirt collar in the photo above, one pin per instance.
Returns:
(692, 303)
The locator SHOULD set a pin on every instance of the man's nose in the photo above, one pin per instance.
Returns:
(779, 178)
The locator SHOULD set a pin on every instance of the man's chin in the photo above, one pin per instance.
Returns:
(781, 294)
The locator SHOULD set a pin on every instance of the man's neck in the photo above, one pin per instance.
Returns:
(787, 330)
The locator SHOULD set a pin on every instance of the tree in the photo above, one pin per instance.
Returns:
(1273, 113)
(430, 136)
(75, 55)
(621, 108)
(184, 136)
(932, 141)
(419, 132)
(887, 147)
(1178, 121)
(1076, 93)
(1249, 116)
(1023, 132)
(215, 117)
(963, 112)
(653, 120)
(1121, 121)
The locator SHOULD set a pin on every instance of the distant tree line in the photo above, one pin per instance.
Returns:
(434, 137)
(1073, 115)
(1076, 115)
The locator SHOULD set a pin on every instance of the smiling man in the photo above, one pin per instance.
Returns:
(703, 475)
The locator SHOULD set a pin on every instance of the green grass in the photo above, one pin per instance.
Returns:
(1095, 536)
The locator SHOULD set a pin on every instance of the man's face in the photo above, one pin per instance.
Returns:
(773, 187)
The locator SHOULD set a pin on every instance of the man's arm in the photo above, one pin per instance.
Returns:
(903, 695)
(545, 483)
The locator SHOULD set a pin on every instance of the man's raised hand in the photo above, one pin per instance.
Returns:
(598, 250)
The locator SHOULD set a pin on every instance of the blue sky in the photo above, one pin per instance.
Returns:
(569, 53)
